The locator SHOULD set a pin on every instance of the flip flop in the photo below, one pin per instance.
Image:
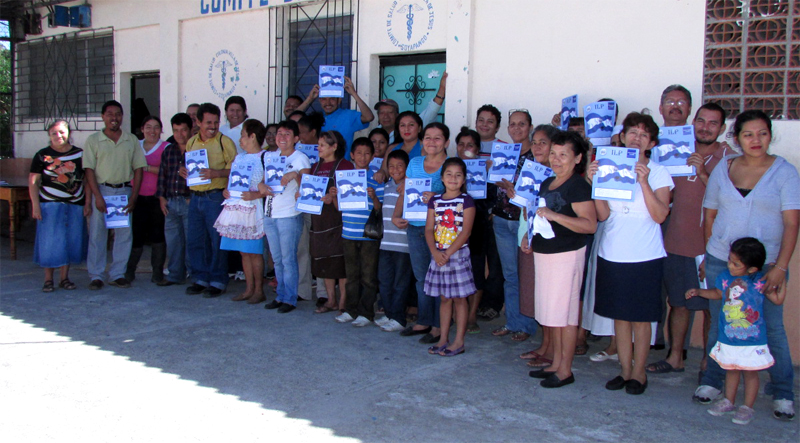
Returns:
(67, 284)
(48, 286)
(500, 332)
(662, 367)
(473, 329)
(581, 349)
(540, 362)
(436, 349)
(324, 310)
(532, 355)
(451, 352)
(520, 336)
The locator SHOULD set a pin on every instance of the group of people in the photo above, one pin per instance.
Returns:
(602, 271)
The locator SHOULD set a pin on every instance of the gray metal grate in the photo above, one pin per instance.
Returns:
(67, 76)
(308, 36)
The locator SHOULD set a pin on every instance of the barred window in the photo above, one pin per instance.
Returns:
(67, 76)
(752, 56)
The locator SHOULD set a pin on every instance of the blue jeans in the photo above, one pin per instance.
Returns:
(394, 272)
(781, 373)
(427, 307)
(209, 264)
(98, 241)
(283, 235)
(505, 232)
(176, 227)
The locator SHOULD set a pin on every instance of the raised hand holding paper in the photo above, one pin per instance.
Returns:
(504, 161)
(312, 189)
(530, 179)
(351, 187)
(239, 180)
(569, 109)
(675, 146)
(375, 166)
(331, 81)
(116, 217)
(274, 168)
(616, 176)
(414, 209)
(599, 118)
(476, 178)
(195, 161)
(311, 151)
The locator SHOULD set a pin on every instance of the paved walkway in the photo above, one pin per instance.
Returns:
(153, 364)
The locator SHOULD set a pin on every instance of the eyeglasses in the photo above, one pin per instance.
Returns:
(673, 102)
(518, 110)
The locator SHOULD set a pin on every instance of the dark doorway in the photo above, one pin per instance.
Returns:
(145, 99)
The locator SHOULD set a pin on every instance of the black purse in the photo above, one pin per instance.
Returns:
(373, 229)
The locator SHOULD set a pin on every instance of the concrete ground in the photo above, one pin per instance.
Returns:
(153, 364)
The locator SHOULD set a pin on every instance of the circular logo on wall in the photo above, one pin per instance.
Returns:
(223, 73)
(409, 23)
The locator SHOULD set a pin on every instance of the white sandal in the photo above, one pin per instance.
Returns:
(603, 356)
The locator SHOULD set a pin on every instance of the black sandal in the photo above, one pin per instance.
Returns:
(66, 284)
(48, 286)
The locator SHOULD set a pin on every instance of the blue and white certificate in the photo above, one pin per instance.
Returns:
(504, 161)
(616, 177)
(530, 210)
(311, 151)
(375, 166)
(476, 178)
(195, 161)
(331, 81)
(675, 146)
(351, 190)
(312, 189)
(599, 118)
(414, 209)
(239, 180)
(569, 109)
(530, 179)
(116, 217)
(274, 168)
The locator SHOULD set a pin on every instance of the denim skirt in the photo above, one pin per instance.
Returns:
(61, 235)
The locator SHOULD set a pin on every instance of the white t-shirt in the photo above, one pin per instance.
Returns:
(234, 133)
(630, 234)
(282, 205)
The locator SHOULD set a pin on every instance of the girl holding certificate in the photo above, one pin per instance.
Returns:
(630, 256)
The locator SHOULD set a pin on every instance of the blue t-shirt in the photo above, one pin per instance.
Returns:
(353, 221)
(416, 151)
(347, 122)
(416, 169)
(742, 320)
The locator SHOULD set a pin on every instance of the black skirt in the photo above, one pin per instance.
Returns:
(629, 291)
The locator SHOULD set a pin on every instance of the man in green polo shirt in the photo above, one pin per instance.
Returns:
(113, 161)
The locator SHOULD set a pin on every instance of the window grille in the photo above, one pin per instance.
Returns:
(752, 56)
(307, 36)
(66, 76)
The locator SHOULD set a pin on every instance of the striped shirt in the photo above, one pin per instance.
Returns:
(449, 219)
(394, 238)
(353, 221)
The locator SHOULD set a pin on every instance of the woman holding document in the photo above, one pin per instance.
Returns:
(631, 254)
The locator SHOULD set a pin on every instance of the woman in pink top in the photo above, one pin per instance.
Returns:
(148, 220)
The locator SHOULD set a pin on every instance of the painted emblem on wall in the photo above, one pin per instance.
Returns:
(409, 23)
(223, 73)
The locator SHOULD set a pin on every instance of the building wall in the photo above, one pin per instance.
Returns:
(513, 54)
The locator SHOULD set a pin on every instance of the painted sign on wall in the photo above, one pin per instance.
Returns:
(217, 6)
(409, 23)
(223, 73)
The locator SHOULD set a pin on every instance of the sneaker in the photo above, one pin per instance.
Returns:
(392, 326)
(361, 321)
(783, 410)
(344, 317)
(120, 283)
(705, 394)
(383, 321)
(488, 314)
(239, 276)
(743, 415)
(195, 289)
(211, 292)
(722, 407)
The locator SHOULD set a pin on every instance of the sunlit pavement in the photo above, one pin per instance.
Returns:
(153, 364)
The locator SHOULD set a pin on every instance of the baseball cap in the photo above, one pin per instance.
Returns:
(387, 101)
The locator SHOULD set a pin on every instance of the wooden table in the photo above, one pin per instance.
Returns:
(14, 191)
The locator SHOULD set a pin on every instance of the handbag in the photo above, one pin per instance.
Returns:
(373, 228)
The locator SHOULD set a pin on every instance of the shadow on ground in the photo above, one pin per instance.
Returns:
(148, 363)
